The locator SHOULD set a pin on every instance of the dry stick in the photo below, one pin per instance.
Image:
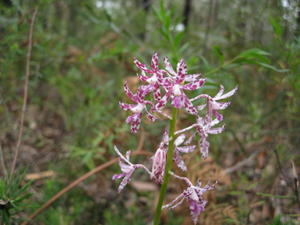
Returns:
(141, 141)
(25, 96)
(75, 183)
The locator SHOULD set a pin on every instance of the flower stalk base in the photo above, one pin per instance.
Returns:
(168, 167)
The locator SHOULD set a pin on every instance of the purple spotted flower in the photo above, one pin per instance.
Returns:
(137, 109)
(175, 84)
(204, 127)
(127, 169)
(181, 146)
(213, 106)
(160, 156)
(164, 87)
(156, 77)
(193, 195)
(159, 160)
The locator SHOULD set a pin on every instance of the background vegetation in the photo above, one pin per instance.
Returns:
(82, 53)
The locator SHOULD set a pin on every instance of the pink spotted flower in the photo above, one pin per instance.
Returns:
(203, 128)
(137, 109)
(213, 106)
(159, 160)
(156, 76)
(193, 195)
(175, 84)
(127, 169)
(160, 156)
(182, 146)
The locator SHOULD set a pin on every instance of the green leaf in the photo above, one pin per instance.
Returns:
(268, 66)
(218, 52)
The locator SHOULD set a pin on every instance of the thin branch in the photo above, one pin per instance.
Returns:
(242, 163)
(296, 182)
(2, 161)
(25, 96)
(74, 184)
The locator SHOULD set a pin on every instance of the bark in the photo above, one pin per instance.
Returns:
(186, 13)
(145, 5)
(298, 20)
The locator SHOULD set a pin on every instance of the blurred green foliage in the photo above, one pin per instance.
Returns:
(14, 197)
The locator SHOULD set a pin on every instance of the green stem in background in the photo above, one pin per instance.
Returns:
(222, 66)
(168, 167)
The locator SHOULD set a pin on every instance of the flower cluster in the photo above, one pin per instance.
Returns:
(164, 87)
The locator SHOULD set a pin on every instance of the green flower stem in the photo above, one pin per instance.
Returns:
(168, 167)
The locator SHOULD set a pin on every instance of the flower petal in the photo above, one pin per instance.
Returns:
(142, 66)
(157, 94)
(169, 67)
(216, 130)
(194, 85)
(221, 91)
(191, 77)
(178, 101)
(126, 180)
(179, 140)
(143, 76)
(196, 208)
(135, 121)
(154, 61)
(118, 176)
(161, 103)
(227, 95)
(204, 148)
(186, 149)
(189, 106)
(151, 117)
(179, 161)
(125, 106)
(181, 71)
(129, 93)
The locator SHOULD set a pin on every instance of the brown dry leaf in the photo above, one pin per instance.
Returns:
(261, 160)
(108, 39)
(132, 81)
(207, 170)
(217, 213)
(213, 215)
(73, 51)
(143, 186)
(230, 212)
(40, 175)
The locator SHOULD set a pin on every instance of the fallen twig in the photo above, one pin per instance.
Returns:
(40, 175)
(75, 183)
(242, 163)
